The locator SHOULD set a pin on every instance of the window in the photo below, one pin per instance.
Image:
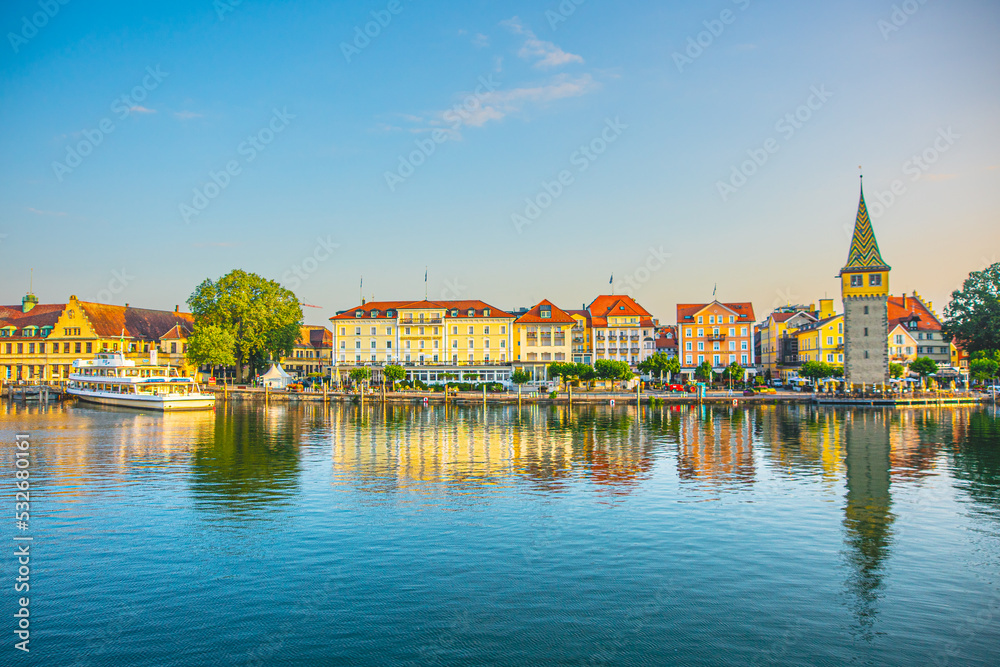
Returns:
(866, 332)
(687, 346)
(732, 331)
(701, 320)
(373, 345)
(701, 332)
(503, 343)
(688, 334)
(343, 344)
(454, 344)
(503, 331)
(406, 330)
(875, 279)
(856, 280)
(486, 343)
(343, 331)
(743, 359)
(731, 319)
(357, 331)
(711, 319)
(486, 331)
(687, 360)
(470, 330)
(701, 346)
(743, 345)
(899, 339)
(829, 340)
(701, 359)
(866, 354)
(90, 348)
(357, 345)
(471, 344)
(173, 348)
(374, 331)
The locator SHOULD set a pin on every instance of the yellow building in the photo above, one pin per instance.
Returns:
(39, 342)
(542, 335)
(902, 346)
(822, 340)
(312, 352)
(779, 344)
(439, 339)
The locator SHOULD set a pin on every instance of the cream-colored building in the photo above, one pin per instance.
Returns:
(466, 338)
(542, 335)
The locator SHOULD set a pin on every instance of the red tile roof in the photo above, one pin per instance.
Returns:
(534, 316)
(906, 308)
(687, 311)
(315, 336)
(462, 306)
(44, 314)
(620, 305)
(140, 323)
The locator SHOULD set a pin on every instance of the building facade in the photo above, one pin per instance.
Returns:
(917, 316)
(312, 353)
(717, 333)
(864, 285)
(39, 342)
(542, 335)
(470, 338)
(620, 330)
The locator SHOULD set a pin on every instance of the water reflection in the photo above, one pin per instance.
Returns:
(867, 512)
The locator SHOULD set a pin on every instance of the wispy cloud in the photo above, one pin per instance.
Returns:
(41, 212)
(481, 41)
(141, 109)
(545, 54)
(186, 115)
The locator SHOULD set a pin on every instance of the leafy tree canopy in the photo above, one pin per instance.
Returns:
(973, 316)
(211, 345)
(924, 366)
(816, 370)
(608, 369)
(896, 370)
(983, 369)
(519, 376)
(359, 374)
(262, 316)
(704, 371)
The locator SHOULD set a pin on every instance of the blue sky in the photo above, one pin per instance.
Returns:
(643, 109)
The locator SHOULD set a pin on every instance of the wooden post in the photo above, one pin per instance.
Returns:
(267, 393)
(638, 394)
(326, 397)
(518, 397)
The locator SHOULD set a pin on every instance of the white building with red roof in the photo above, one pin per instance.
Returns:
(621, 329)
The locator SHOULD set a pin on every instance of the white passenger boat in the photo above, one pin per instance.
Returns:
(111, 379)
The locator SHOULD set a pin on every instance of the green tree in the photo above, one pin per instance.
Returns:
(584, 373)
(262, 316)
(608, 369)
(520, 377)
(815, 370)
(393, 374)
(983, 369)
(658, 364)
(896, 370)
(973, 316)
(211, 345)
(359, 375)
(733, 372)
(560, 369)
(924, 366)
(704, 371)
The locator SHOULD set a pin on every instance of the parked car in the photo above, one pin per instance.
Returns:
(675, 387)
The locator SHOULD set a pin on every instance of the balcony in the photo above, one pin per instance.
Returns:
(717, 338)
(578, 339)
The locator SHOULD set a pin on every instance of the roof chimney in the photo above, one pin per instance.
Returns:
(904, 300)
(177, 309)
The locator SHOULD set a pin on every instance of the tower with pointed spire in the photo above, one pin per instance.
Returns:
(864, 286)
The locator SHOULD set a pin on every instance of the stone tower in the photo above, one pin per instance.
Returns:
(864, 286)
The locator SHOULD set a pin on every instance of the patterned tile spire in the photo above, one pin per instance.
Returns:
(864, 248)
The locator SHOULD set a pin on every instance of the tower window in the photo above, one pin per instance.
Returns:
(866, 331)
(856, 280)
(875, 279)
(866, 312)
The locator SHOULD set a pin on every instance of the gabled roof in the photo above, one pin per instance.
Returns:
(367, 309)
(912, 308)
(42, 315)
(534, 316)
(617, 305)
(314, 336)
(864, 253)
(743, 310)
(176, 331)
(110, 321)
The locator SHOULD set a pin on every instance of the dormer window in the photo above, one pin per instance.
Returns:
(388, 313)
(472, 312)
(374, 313)
(486, 312)
(545, 311)
(454, 312)
(359, 313)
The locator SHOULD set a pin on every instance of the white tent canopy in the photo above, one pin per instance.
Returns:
(276, 377)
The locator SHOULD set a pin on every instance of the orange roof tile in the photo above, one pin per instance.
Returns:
(687, 311)
(534, 316)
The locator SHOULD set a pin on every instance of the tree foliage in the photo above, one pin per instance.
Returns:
(211, 345)
(983, 369)
(816, 370)
(733, 372)
(609, 369)
(262, 316)
(658, 364)
(704, 371)
(520, 377)
(896, 370)
(972, 318)
(393, 374)
(924, 366)
(359, 374)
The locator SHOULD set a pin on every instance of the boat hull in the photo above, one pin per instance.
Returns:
(160, 403)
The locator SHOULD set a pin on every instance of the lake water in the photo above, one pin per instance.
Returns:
(304, 535)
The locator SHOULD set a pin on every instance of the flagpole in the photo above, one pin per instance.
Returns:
(425, 283)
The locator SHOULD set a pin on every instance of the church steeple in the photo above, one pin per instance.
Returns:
(864, 252)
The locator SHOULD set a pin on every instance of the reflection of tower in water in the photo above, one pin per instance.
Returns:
(867, 516)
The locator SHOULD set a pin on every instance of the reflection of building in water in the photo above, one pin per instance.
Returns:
(916, 436)
(400, 447)
(802, 438)
(716, 444)
(867, 516)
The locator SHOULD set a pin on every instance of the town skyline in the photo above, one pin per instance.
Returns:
(554, 150)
